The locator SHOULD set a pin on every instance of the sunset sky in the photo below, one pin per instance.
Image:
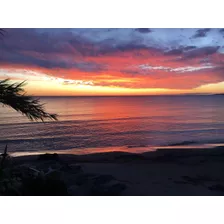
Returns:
(136, 61)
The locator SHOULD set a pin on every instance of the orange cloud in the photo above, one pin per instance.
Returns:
(133, 71)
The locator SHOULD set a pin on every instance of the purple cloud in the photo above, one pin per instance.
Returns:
(201, 33)
(143, 30)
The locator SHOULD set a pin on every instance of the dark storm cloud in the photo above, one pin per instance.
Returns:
(201, 33)
(174, 52)
(126, 47)
(29, 47)
(19, 58)
(189, 48)
(179, 51)
(16, 57)
(66, 42)
(110, 46)
(44, 42)
(143, 30)
(200, 52)
(70, 43)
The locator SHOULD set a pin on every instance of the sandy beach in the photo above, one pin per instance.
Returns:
(167, 172)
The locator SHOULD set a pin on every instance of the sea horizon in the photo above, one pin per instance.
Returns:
(184, 94)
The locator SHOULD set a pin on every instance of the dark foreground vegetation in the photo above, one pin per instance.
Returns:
(49, 175)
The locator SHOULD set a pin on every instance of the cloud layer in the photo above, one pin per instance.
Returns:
(130, 58)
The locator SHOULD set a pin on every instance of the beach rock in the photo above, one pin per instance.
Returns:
(129, 157)
(198, 180)
(76, 190)
(13, 188)
(217, 187)
(53, 175)
(24, 171)
(44, 165)
(108, 190)
(84, 179)
(116, 189)
(103, 179)
(44, 187)
(55, 187)
(65, 168)
(73, 168)
(73, 190)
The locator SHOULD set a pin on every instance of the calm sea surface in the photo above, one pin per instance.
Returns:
(128, 122)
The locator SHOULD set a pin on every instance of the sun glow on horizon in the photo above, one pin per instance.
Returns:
(53, 88)
(45, 85)
(41, 84)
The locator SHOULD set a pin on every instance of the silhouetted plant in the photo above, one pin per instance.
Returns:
(4, 156)
(13, 95)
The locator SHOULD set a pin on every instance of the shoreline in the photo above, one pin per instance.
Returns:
(127, 149)
(169, 154)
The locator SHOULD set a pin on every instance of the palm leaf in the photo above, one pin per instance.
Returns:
(13, 95)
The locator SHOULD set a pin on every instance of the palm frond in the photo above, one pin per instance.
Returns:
(13, 95)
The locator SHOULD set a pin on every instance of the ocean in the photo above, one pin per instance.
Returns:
(89, 124)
